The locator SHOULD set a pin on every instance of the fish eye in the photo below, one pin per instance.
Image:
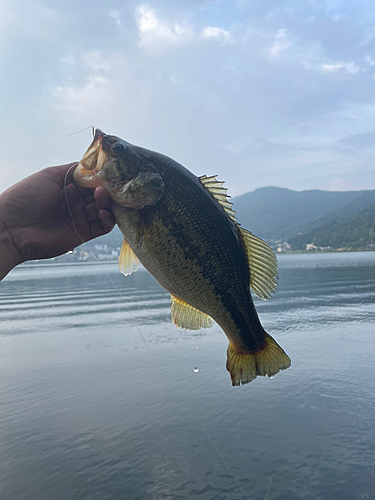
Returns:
(118, 148)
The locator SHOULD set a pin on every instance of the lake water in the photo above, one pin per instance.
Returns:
(101, 397)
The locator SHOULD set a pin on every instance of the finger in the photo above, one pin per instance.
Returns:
(90, 199)
(75, 201)
(84, 191)
(63, 174)
(68, 179)
(98, 229)
(107, 217)
(91, 213)
(102, 198)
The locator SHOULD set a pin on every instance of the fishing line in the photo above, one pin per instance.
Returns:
(98, 261)
(83, 130)
(139, 331)
(223, 459)
(269, 488)
(67, 201)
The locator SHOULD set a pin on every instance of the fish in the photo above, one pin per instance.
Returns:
(183, 230)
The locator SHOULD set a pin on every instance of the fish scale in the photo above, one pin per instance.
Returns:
(216, 283)
(185, 234)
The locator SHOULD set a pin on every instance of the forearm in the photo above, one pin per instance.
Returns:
(8, 256)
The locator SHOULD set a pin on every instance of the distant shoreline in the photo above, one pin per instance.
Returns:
(349, 250)
(65, 262)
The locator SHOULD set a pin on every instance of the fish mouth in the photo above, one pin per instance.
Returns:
(92, 172)
(88, 171)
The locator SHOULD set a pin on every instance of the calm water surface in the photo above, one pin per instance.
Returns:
(100, 397)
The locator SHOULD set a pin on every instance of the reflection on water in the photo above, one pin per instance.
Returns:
(101, 397)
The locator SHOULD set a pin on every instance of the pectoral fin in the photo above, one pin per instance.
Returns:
(188, 317)
(128, 261)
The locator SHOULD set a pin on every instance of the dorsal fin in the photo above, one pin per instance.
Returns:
(188, 317)
(219, 192)
(261, 259)
(128, 261)
(262, 264)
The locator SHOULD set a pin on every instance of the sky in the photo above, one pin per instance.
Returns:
(261, 93)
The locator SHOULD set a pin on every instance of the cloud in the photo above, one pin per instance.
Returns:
(369, 60)
(94, 60)
(94, 72)
(246, 107)
(91, 94)
(115, 15)
(69, 60)
(214, 33)
(337, 66)
(95, 91)
(281, 43)
(30, 20)
(359, 141)
(157, 35)
(253, 92)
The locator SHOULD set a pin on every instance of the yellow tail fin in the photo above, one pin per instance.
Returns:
(244, 368)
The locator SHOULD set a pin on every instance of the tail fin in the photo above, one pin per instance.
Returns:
(244, 368)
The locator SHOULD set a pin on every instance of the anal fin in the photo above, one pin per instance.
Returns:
(188, 317)
(128, 261)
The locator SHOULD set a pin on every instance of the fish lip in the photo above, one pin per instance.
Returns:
(90, 158)
(87, 173)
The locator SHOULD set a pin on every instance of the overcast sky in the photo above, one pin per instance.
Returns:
(262, 93)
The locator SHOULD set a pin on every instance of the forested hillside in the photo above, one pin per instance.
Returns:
(353, 233)
(275, 213)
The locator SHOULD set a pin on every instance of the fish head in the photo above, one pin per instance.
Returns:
(113, 163)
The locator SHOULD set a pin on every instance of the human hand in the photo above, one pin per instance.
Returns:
(35, 220)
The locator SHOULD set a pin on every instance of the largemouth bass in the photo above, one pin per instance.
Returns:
(183, 230)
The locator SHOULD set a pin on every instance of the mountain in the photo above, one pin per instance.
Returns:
(365, 199)
(275, 213)
(352, 233)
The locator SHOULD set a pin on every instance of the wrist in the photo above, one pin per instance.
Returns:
(9, 256)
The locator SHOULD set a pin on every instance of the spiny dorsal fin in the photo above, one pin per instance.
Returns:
(128, 261)
(262, 265)
(187, 317)
(219, 192)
